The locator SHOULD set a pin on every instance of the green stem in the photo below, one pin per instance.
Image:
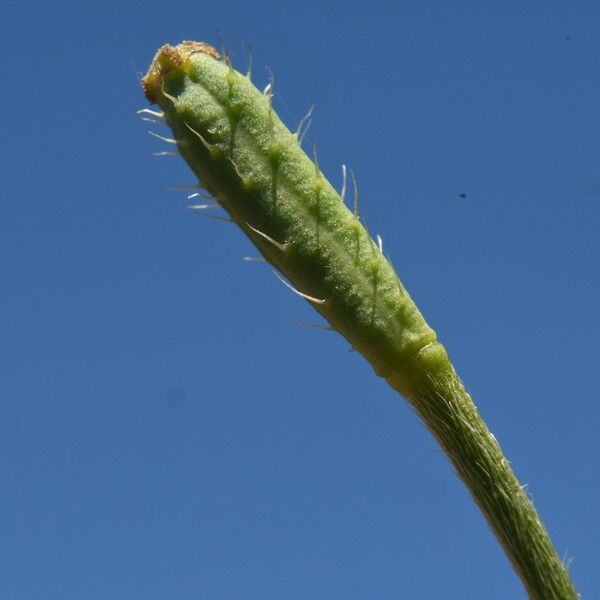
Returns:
(256, 170)
(447, 410)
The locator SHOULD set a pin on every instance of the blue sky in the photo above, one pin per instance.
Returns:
(168, 430)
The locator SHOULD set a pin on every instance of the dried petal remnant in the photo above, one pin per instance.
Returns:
(169, 58)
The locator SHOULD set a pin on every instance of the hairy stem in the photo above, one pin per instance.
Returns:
(256, 170)
(449, 413)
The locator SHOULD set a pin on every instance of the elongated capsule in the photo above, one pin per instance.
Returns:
(227, 131)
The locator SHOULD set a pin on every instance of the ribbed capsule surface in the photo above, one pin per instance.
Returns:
(246, 158)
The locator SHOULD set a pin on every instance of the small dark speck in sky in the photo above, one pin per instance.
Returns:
(462, 195)
(175, 398)
(567, 37)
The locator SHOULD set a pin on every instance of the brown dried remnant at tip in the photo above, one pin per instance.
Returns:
(167, 59)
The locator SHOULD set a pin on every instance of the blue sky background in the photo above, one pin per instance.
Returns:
(168, 431)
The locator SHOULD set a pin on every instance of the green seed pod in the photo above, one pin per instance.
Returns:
(255, 168)
(247, 159)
